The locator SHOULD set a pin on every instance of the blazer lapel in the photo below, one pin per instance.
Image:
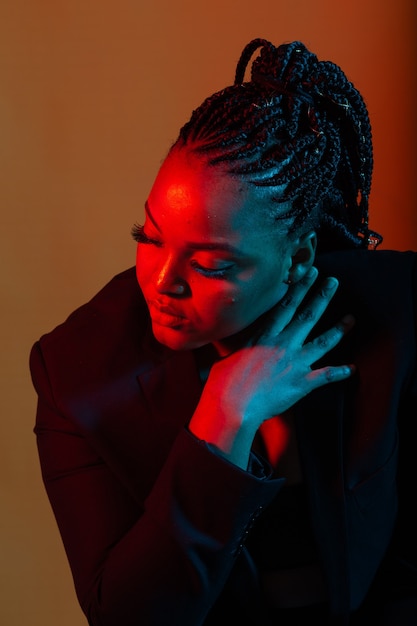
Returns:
(319, 419)
(171, 390)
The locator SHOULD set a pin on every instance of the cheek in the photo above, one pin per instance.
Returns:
(228, 311)
(143, 267)
(213, 303)
(246, 305)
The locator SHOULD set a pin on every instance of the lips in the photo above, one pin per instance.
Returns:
(165, 315)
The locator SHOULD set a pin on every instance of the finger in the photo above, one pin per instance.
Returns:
(325, 342)
(286, 308)
(309, 312)
(330, 374)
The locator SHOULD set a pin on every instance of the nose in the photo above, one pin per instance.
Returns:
(168, 278)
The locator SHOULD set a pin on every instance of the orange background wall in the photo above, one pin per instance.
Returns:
(92, 93)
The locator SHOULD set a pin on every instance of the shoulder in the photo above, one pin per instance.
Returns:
(379, 287)
(368, 264)
(106, 334)
(118, 302)
(374, 274)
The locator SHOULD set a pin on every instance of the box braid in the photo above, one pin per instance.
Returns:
(300, 129)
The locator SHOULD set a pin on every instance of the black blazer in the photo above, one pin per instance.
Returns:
(154, 522)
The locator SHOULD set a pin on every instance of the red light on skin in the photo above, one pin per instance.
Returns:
(275, 433)
(210, 263)
(178, 196)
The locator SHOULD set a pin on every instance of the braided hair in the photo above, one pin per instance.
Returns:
(301, 130)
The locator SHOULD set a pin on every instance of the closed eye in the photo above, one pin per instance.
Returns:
(139, 236)
(210, 272)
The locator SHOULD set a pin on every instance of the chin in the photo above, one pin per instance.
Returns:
(174, 340)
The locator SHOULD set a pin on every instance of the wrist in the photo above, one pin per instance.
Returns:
(226, 433)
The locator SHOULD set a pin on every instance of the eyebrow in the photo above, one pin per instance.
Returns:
(151, 217)
(197, 245)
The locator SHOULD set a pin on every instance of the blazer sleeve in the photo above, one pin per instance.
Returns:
(162, 558)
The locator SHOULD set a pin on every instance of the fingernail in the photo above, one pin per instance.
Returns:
(332, 282)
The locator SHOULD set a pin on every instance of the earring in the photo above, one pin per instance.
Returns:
(288, 281)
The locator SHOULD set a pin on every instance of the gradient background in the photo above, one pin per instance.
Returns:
(92, 93)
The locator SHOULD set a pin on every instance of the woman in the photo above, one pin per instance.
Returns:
(229, 437)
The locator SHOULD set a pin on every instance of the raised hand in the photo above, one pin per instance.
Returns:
(271, 372)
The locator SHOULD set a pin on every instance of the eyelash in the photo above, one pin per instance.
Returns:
(139, 236)
(206, 272)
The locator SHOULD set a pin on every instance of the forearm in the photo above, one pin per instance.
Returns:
(163, 561)
(155, 547)
(172, 565)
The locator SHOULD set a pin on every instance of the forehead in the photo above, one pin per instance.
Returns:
(196, 194)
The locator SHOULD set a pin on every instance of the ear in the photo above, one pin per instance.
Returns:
(303, 255)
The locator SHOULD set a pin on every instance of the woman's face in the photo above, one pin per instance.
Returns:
(209, 260)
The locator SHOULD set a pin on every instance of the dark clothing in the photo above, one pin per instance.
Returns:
(155, 524)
